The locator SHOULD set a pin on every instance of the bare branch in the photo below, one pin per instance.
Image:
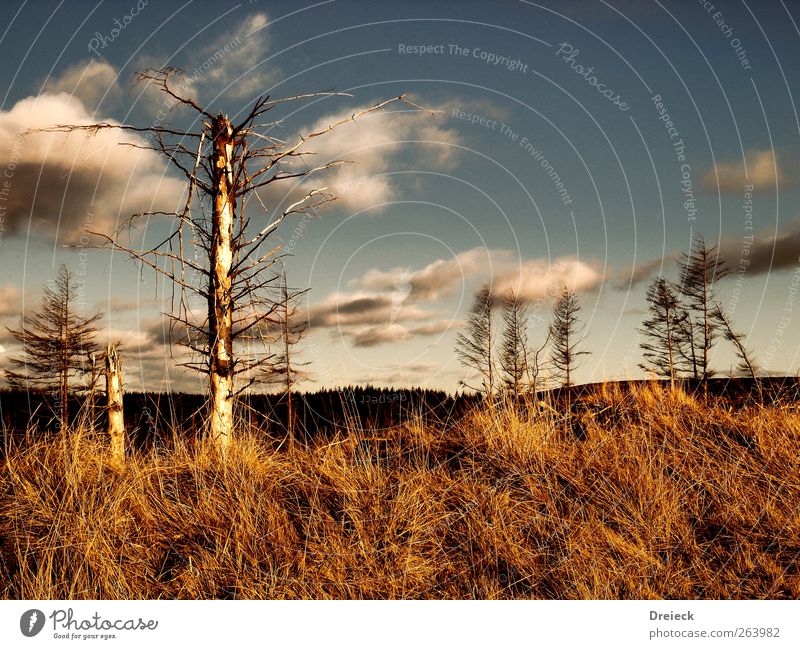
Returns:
(161, 79)
(92, 129)
(305, 138)
(140, 256)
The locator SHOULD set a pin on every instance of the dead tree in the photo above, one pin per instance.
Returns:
(661, 330)
(225, 163)
(747, 365)
(116, 420)
(94, 376)
(284, 369)
(514, 346)
(475, 348)
(534, 365)
(686, 345)
(565, 336)
(56, 343)
(700, 269)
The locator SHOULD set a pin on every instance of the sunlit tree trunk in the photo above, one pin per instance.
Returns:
(116, 421)
(220, 299)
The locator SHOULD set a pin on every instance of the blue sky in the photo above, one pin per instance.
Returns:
(578, 143)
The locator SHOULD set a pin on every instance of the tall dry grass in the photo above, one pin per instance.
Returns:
(661, 496)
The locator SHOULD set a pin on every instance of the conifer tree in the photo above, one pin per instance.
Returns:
(475, 347)
(56, 345)
(514, 345)
(661, 330)
(700, 270)
(566, 336)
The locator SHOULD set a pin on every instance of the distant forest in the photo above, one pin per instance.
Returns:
(151, 417)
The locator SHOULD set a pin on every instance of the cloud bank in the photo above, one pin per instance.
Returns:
(768, 252)
(764, 170)
(56, 184)
(400, 304)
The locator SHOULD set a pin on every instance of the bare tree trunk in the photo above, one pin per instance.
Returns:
(706, 332)
(287, 351)
(669, 352)
(65, 368)
(490, 362)
(220, 299)
(116, 421)
(92, 388)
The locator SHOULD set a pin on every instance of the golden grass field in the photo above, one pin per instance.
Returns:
(665, 496)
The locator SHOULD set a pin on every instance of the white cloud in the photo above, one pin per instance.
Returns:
(386, 308)
(539, 279)
(634, 274)
(532, 279)
(227, 66)
(374, 144)
(765, 171)
(229, 63)
(90, 81)
(380, 334)
(394, 332)
(68, 182)
(361, 308)
(440, 278)
(769, 251)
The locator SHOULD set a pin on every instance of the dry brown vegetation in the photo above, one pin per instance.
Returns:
(663, 496)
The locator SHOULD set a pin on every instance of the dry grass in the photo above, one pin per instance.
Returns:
(662, 497)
